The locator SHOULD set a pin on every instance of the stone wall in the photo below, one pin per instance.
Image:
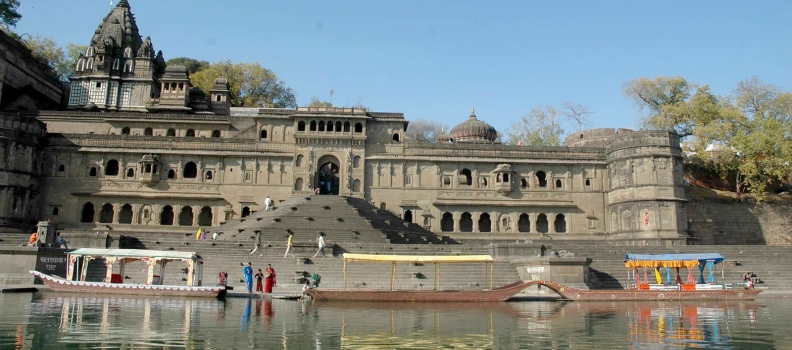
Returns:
(25, 83)
(723, 221)
(20, 171)
(594, 137)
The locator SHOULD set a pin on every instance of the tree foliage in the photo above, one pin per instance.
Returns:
(191, 64)
(423, 130)
(540, 127)
(52, 55)
(251, 85)
(316, 102)
(746, 137)
(8, 13)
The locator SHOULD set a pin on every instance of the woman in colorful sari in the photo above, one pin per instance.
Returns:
(269, 281)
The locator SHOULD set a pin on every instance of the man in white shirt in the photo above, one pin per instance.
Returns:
(267, 203)
(322, 245)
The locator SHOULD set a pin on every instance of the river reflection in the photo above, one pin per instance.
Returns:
(52, 321)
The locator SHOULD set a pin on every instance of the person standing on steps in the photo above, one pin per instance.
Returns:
(258, 244)
(290, 246)
(269, 282)
(321, 242)
(267, 203)
(247, 271)
(259, 277)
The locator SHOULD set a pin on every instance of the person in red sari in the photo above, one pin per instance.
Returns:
(269, 280)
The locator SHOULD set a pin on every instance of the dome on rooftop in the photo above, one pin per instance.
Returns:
(176, 68)
(473, 130)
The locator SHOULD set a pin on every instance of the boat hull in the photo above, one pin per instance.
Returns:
(632, 295)
(63, 286)
(499, 294)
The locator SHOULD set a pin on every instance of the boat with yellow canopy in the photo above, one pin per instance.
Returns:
(437, 294)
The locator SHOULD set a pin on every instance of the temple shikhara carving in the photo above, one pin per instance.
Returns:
(140, 149)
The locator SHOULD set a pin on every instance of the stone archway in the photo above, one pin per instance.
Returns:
(327, 177)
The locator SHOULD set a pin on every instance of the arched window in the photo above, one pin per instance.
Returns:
(466, 222)
(92, 173)
(321, 125)
(80, 65)
(330, 126)
(130, 173)
(263, 134)
(356, 162)
(181, 86)
(338, 127)
(61, 168)
(298, 162)
(356, 185)
(116, 64)
(408, 216)
(148, 132)
(89, 63)
(147, 169)
(396, 137)
(128, 52)
(298, 184)
(129, 66)
(358, 128)
(524, 223)
(190, 133)
(541, 179)
(55, 211)
(484, 182)
(542, 226)
(107, 213)
(171, 174)
(313, 125)
(465, 177)
(166, 217)
(383, 206)
(125, 131)
(171, 132)
(588, 182)
(190, 171)
(205, 217)
(87, 214)
(346, 126)
(111, 169)
(560, 223)
(301, 126)
(215, 133)
(125, 215)
(245, 212)
(485, 223)
(208, 175)
(447, 222)
(505, 177)
(523, 183)
(558, 183)
(186, 216)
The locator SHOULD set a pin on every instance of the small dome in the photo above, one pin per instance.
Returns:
(473, 130)
(221, 80)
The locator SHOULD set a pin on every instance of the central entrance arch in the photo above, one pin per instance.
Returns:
(327, 179)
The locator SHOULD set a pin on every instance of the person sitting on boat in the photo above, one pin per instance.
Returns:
(247, 271)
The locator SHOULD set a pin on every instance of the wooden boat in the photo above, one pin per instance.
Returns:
(707, 288)
(437, 295)
(77, 271)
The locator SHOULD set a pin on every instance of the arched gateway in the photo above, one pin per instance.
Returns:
(327, 177)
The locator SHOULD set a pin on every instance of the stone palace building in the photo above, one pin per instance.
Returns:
(139, 149)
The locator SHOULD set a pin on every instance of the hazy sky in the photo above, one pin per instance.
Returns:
(436, 59)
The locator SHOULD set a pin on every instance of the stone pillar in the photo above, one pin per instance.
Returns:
(116, 208)
(551, 223)
(532, 220)
(476, 216)
(46, 233)
(457, 217)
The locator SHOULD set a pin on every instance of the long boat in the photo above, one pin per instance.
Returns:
(654, 287)
(502, 293)
(77, 272)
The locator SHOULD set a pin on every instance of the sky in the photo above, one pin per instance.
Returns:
(437, 59)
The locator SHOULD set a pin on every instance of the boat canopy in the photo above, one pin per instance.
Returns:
(417, 258)
(671, 260)
(135, 253)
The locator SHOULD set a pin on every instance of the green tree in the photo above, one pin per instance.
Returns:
(423, 130)
(316, 102)
(8, 13)
(540, 127)
(51, 54)
(192, 64)
(250, 84)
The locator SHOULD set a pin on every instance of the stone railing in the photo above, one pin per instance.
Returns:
(166, 142)
(488, 151)
(133, 115)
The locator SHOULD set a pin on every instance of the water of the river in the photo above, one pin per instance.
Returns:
(52, 321)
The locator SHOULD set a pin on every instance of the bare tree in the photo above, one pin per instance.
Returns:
(422, 130)
(576, 113)
(540, 127)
